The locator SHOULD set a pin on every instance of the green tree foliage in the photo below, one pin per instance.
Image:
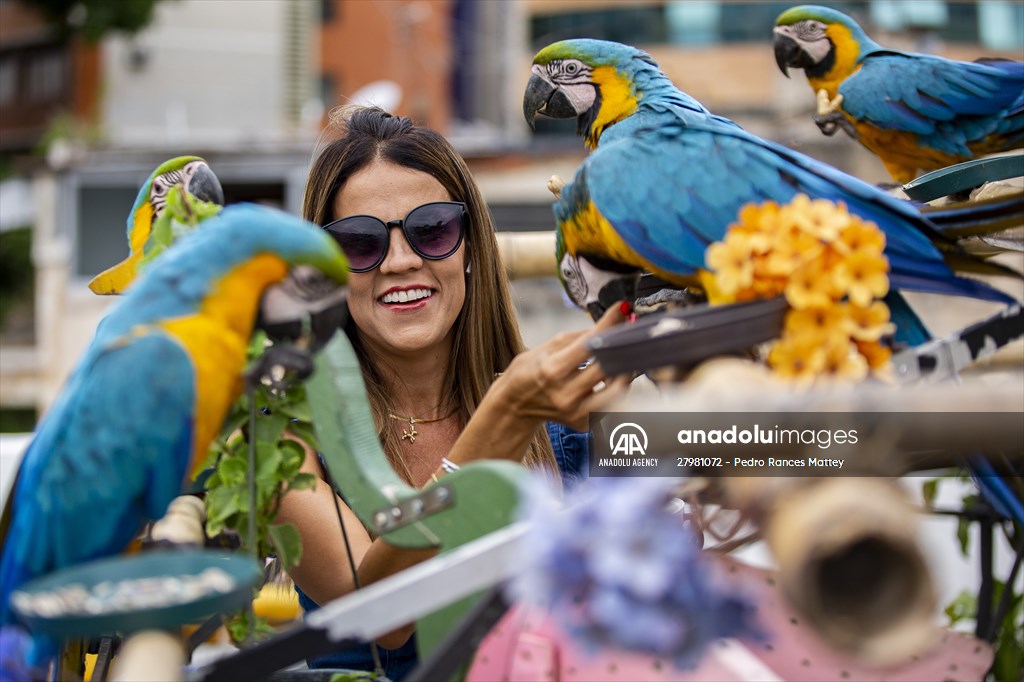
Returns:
(16, 273)
(93, 19)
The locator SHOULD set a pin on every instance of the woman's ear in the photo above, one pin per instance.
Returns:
(467, 257)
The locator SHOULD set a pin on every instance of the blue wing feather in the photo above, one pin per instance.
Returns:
(948, 104)
(110, 455)
(706, 173)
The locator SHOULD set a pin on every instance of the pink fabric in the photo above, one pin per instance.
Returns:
(528, 646)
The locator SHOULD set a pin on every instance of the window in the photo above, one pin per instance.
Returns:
(103, 210)
(45, 75)
(8, 79)
(643, 24)
(1001, 24)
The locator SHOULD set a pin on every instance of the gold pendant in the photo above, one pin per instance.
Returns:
(411, 433)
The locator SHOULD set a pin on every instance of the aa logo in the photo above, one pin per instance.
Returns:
(628, 439)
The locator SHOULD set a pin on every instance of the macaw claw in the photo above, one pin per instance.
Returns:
(830, 124)
(555, 185)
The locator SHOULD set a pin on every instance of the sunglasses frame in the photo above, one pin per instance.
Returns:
(401, 224)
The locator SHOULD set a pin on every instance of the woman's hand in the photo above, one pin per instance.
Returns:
(542, 384)
(546, 383)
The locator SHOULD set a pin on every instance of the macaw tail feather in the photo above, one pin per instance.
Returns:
(996, 490)
(114, 280)
(977, 218)
(910, 330)
(950, 286)
(967, 262)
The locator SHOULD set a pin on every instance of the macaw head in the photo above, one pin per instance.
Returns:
(597, 82)
(591, 282)
(189, 172)
(810, 37)
(247, 262)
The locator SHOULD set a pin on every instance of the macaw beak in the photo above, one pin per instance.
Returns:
(305, 309)
(789, 53)
(205, 185)
(544, 99)
(615, 291)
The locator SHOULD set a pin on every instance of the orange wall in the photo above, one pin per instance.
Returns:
(405, 42)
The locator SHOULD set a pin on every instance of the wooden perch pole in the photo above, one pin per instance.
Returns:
(528, 255)
(848, 560)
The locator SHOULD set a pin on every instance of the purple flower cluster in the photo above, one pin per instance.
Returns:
(618, 568)
(15, 647)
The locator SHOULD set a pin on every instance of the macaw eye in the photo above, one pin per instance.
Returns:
(572, 278)
(159, 187)
(571, 68)
(809, 29)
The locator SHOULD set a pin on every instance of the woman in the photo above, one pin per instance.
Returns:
(433, 324)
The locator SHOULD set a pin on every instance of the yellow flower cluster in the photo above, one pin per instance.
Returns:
(830, 266)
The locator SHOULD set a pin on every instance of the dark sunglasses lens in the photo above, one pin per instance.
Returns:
(435, 229)
(363, 239)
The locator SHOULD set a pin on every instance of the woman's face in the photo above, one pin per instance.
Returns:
(421, 326)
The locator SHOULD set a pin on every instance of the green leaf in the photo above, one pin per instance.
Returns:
(962, 533)
(238, 628)
(270, 427)
(296, 410)
(235, 421)
(233, 470)
(304, 432)
(964, 607)
(928, 491)
(1009, 643)
(220, 506)
(302, 481)
(287, 544)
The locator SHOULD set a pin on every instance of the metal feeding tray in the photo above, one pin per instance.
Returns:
(964, 176)
(160, 589)
(688, 337)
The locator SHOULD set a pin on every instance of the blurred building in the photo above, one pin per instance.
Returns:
(248, 85)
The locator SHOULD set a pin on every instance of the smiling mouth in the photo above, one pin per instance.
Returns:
(406, 296)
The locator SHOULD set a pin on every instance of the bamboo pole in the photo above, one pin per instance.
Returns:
(848, 560)
(528, 255)
(149, 656)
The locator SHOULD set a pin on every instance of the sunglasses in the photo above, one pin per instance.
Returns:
(434, 231)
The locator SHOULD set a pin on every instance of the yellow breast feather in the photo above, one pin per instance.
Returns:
(618, 101)
(845, 61)
(216, 338)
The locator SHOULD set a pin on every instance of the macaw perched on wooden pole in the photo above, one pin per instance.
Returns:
(915, 112)
(183, 182)
(665, 179)
(152, 390)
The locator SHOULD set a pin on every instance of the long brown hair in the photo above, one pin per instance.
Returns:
(486, 332)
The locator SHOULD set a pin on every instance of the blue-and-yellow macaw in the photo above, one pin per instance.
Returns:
(914, 111)
(152, 390)
(653, 197)
(189, 172)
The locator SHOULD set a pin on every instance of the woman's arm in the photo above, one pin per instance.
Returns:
(323, 573)
(541, 384)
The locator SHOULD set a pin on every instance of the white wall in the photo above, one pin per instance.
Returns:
(212, 74)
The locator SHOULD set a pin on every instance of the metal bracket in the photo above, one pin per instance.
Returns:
(412, 509)
(943, 358)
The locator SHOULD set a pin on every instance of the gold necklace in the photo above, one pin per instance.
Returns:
(413, 421)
